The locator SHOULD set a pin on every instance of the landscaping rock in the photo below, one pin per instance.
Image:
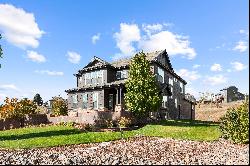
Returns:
(138, 150)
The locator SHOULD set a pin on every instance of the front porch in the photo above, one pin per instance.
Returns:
(114, 98)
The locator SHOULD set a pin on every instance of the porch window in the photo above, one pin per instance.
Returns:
(74, 99)
(165, 102)
(95, 100)
(85, 101)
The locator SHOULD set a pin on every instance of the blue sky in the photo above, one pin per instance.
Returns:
(46, 42)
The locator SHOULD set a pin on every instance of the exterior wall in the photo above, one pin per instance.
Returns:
(174, 111)
(186, 110)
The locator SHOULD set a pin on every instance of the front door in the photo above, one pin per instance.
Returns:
(111, 101)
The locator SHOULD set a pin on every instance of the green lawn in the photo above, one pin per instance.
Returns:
(62, 135)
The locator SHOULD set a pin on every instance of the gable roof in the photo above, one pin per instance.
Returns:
(94, 59)
(126, 61)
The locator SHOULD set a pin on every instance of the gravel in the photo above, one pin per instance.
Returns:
(136, 151)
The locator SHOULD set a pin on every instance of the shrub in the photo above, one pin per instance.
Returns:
(235, 124)
(59, 107)
(109, 123)
(124, 122)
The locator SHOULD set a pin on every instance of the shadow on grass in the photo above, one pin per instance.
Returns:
(186, 123)
(40, 134)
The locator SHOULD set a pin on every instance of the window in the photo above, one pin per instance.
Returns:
(181, 87)
(74, 100)
(171, 89)
(175, 101)
(85, 101)
(87, 78)
(160, 75)
(122, 74)
(94, 77)
(165, 102)
(95, 100)
(171, 81)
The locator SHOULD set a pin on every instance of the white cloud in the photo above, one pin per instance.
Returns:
(51, 73)
(229, 70)
(19, 27)
(215, 80)
(196, 66)
(35, 57)
(173, 43)
(241, 46)
(152, 28)
(8, 87)
(156, 38)
(95, 38)
(73, 57)
(216, 67)
(128, 34)
(188, 75)
(238, 66)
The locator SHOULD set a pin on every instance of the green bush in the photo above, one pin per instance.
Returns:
(235, 124)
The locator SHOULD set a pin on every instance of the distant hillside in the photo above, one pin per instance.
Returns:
(209, 112)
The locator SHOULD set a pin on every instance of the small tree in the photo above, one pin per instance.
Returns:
(38, 99)
(59, 106)
(142, 94)
(13, 108)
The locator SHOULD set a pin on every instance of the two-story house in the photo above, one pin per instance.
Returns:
(101, 86)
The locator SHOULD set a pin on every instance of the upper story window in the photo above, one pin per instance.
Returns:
(182, 87)
(160, 75)
(171, 82)
(94, 77)
(121, 74)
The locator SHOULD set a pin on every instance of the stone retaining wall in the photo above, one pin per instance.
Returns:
(81, 116)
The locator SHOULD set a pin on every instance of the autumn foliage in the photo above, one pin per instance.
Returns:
(14, 108)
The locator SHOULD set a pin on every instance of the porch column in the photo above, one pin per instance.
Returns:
(120, 95)
(117, 96)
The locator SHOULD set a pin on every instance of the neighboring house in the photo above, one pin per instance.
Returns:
(231, 94)
(101, 87)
